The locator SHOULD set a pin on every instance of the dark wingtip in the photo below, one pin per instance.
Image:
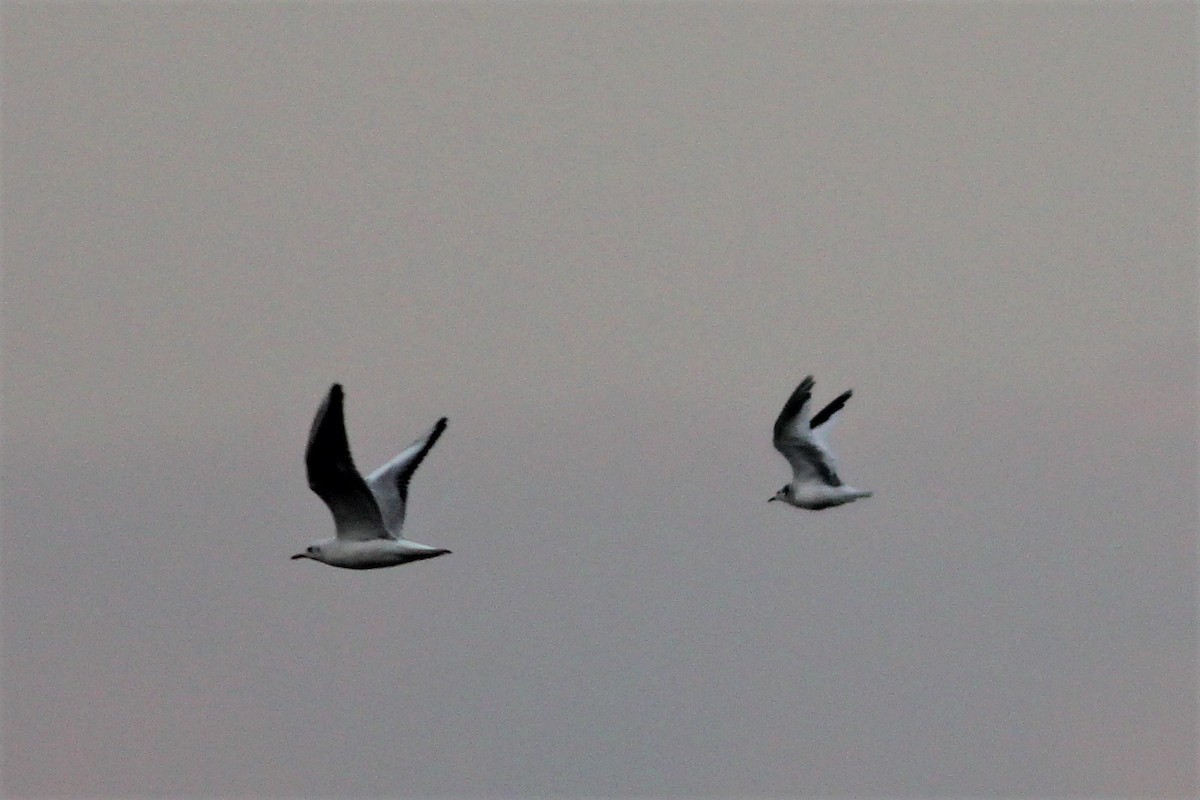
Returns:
(796, 400)
(828, 411)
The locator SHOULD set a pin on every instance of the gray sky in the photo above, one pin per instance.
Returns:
(606, 241)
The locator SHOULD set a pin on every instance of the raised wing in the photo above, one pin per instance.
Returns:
(332, 475)
(389, 483)
(811, 461)
(792, 421)
(828, 411)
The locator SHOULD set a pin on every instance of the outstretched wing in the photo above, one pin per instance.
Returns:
(389, 483)
(332, 475)
(811, 461)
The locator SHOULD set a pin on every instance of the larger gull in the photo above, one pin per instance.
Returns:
(815, 482)
(367, 514)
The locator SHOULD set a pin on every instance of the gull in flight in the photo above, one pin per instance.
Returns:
(367, 514)
(815, 483)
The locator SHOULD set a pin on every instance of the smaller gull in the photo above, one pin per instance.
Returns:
(815, 483)
(367, 514)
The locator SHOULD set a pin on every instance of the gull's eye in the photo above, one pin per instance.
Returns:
(312, 549)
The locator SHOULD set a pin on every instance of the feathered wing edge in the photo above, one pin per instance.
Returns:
(390, 482)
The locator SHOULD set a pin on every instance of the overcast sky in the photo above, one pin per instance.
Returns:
(606, 240)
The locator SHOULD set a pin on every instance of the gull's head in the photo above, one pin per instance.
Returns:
(783, 494)
(314, 551)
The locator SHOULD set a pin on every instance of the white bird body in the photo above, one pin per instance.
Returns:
(368, 515)
(371, 554)
(815, 498)
(815, 482)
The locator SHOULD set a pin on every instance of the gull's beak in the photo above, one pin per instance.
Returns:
(769, 499)
(299, 555)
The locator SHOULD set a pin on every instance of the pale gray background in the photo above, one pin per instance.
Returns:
(606, 241)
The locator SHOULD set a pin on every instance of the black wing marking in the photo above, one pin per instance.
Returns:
(816, 457)
(828, 411)
(809, 461)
